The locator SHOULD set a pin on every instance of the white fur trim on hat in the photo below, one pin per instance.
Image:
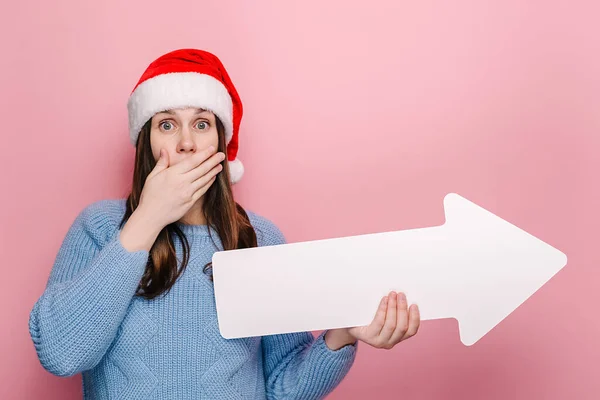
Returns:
(236, 170)
(177, 90)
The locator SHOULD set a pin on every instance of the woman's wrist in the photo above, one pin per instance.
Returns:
(335, 339)
(139, 232)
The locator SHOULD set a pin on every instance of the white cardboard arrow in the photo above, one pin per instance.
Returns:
(476, 267)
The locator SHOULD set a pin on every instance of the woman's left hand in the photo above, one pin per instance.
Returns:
(393, 323)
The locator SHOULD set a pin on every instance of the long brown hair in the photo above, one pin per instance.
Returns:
(223, 215)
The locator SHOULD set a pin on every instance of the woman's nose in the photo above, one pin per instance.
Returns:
(186, 142)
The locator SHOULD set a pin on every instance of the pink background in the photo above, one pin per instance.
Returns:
(359, 118)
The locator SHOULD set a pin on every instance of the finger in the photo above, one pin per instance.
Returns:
(390, 319)
(205, 167)
(402, 319)
(161, 164)
(378, 321)
(192, 162)
(414, 321)
(203, 179)
(203, 189)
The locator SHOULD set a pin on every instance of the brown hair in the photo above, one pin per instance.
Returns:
(222, 213)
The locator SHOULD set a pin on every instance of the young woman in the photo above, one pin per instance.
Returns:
(129, 302)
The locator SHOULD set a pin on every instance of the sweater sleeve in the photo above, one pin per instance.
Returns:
(298, 365)
(90, 287)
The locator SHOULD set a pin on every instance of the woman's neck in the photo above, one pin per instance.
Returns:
(194, 216)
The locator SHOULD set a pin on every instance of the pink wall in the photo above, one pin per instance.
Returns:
(360, 117)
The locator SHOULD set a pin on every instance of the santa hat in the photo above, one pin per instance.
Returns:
(188, 78)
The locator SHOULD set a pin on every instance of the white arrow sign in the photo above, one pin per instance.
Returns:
(476, 267)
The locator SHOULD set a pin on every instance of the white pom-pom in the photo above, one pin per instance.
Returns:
(236, 170)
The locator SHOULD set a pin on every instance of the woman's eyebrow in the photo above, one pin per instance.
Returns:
(171, 112)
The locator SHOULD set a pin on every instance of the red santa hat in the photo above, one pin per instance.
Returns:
(188, 78)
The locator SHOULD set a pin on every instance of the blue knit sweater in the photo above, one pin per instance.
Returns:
(126, 347)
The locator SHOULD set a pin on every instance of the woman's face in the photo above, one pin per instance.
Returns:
(182, 132)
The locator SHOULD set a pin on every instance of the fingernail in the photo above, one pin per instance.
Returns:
(402, 297)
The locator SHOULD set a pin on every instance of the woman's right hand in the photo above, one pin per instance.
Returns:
(170, 191)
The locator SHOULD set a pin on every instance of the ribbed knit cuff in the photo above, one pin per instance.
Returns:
(346, 351)
(334, 363)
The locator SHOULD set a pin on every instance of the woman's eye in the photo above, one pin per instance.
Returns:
(202, 125)
(166, 126)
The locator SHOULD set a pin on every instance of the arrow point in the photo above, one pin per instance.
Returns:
(505, 266)
(562, 259)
